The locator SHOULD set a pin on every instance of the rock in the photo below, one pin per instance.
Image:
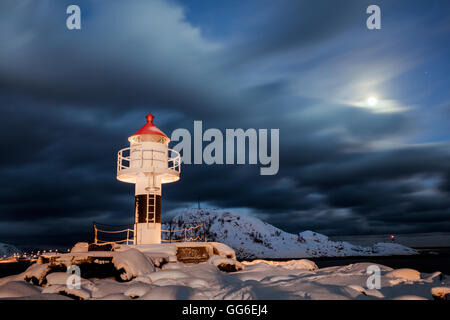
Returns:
(193, 254)
(225, 264)
(100, 247)
(221, 249)
(404, 274)
(440, 293)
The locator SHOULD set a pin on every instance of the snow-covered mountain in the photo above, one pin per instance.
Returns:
(7, 250)
(253, 238)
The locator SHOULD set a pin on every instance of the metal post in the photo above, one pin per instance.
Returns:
(95, 234)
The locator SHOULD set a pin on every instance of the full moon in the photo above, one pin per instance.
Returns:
(372, 101)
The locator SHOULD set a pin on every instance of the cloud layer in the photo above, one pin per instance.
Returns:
(69, 100)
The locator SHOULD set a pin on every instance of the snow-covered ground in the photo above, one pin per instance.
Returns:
(252, 238)
(7, 250)
(260, 279)
(154, 271)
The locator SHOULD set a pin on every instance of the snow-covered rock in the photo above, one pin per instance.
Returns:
(133, 263)
(252, 238)
(36, 273)
(441, 293)
(80, 247)
(61, 278)
(296, 279)
(404, 274)
(302, 264)
(7, 250)
(226, 264)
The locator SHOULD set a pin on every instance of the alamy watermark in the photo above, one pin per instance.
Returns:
(237, 147)
(74, 280)
(374, 280)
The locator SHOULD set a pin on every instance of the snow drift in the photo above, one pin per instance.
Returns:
(252, 238)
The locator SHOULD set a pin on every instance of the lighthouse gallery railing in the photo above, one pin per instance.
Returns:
(124, 161)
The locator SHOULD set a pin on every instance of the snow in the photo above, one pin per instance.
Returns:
(133, 262)
(252, 238)
(7, 250)
(259, 279)
(225, 264)
(36, 273)
(60, 278)
(441, 293)
(404, 274)
(81, 294)
(80, 247)
(153, 271)
(15, 289)
(302, 264)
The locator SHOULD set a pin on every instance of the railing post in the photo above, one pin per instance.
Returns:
(128, 235)
(185, 234)
(95, 234)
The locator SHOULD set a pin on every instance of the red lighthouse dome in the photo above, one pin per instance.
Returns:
(149, 132)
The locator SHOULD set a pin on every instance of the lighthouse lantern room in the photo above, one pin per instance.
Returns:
(148, 163)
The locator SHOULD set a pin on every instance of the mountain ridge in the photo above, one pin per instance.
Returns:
(253, 238)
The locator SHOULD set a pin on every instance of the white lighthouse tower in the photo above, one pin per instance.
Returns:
(148, 164)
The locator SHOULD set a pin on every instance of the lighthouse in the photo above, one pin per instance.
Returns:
(148, 163)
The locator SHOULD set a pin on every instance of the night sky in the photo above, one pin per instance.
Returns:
(69, 100)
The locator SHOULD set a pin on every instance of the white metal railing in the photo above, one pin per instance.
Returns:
(124, 161)
(194, 233)
(187, 234)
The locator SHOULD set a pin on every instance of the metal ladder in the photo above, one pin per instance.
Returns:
(151, 208)
(151, 203)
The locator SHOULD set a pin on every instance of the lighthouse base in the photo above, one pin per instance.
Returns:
(147, 233)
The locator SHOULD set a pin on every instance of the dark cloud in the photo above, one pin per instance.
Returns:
(70, 99)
